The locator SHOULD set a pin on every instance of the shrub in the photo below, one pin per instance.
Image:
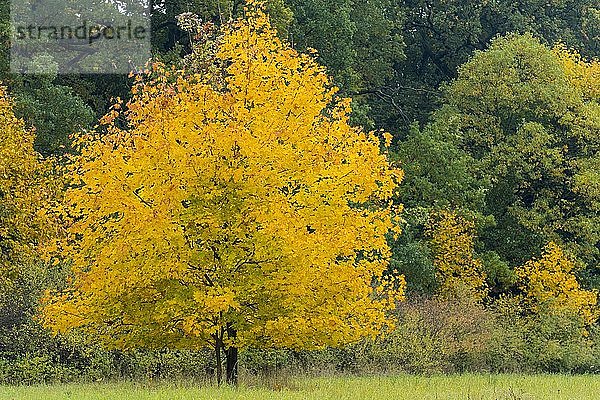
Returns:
(549, 340)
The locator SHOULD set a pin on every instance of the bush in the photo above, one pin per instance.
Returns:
(433, 335)
(35, 370)
(437, 335)
(548, 340)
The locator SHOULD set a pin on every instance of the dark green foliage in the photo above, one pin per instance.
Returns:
(500, 277)
(360, 42)
(438, 171)
(441, 35)
(411, 255)
(54, 110)
(511, 133)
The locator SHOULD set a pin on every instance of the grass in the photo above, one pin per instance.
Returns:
(468, 387)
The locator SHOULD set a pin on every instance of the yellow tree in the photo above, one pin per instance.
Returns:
(25, 192)
(457, 270)
(240, 213)
(581, 73)
(550, 282)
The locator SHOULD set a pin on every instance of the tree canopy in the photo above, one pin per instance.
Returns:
(26, 189)
(226, 214)
(519, 126)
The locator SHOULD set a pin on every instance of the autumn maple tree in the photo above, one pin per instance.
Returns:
(234, 212)
(25, 192)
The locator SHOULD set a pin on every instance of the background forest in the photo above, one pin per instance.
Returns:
(494, 111)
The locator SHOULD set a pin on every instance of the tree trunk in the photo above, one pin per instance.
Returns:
(219, 369)
(231, 355)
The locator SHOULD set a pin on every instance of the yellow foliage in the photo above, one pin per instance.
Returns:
(550, 282)
(584, 75)
(252, 206)
(25, 192)
(457, 270)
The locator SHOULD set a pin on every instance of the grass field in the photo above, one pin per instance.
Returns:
(468, 387)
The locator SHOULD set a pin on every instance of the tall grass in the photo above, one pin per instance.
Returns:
(468, 387)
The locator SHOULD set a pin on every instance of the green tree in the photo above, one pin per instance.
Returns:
(438, 176)
(55, 111)
(359, 42)
(523, 126)
(53, 108)
(440, 36)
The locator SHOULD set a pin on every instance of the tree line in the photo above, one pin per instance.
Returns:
(235, 199)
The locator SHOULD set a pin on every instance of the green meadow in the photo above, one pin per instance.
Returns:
(468, 387)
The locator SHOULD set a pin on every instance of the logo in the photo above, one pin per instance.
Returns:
(79, 37)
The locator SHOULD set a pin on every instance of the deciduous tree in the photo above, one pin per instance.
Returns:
(440, 36)
(458, 271)
(519, 130)
(235, 215)
(25, 193)
(550, 282)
